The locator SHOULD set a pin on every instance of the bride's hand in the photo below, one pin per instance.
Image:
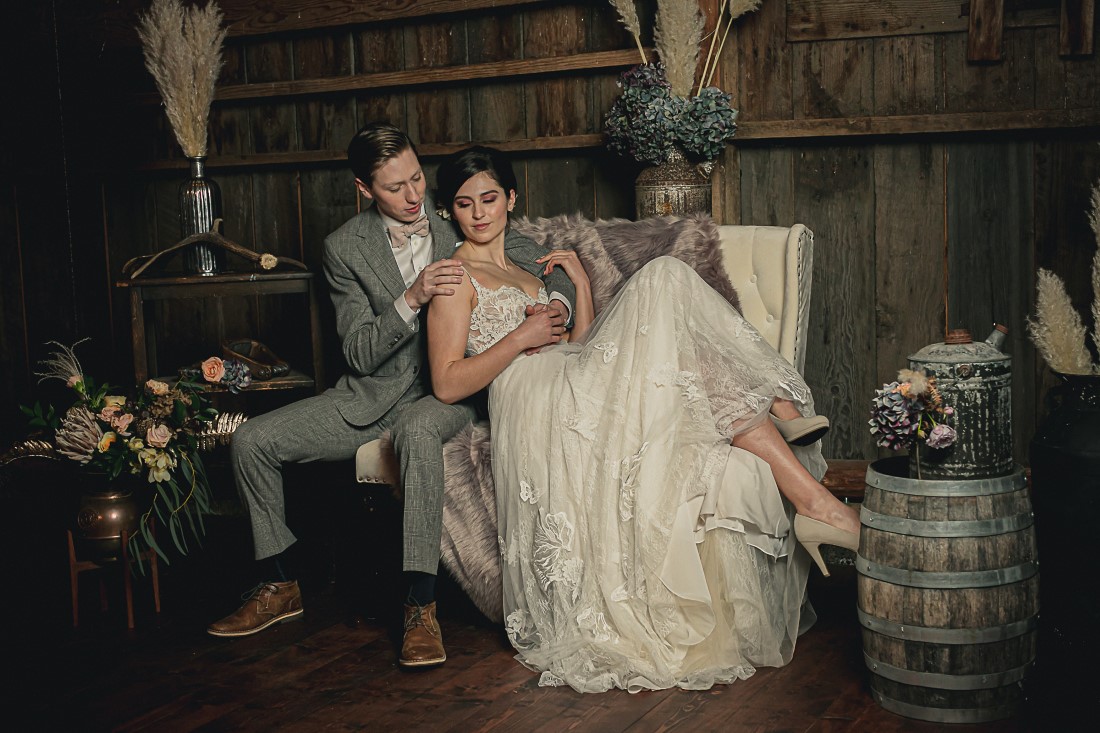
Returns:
(542, 327)
(568, 261)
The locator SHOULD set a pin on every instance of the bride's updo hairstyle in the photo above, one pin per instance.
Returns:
(460, 167)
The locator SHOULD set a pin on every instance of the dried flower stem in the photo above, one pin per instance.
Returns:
(736, 9)
(182, 49)
(628, 16)
(1094, 222)
(61, 364)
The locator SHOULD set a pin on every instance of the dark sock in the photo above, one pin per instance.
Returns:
(421, 588)
(278, 568)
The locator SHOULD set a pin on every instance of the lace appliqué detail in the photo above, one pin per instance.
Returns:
(497, 313)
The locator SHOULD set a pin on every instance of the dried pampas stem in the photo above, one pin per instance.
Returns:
(61, 364)
(183, 52)
(1056, 329)
(628, 16)
(1094, 221)
(678, 34)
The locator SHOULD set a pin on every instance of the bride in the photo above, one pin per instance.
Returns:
(640, 476)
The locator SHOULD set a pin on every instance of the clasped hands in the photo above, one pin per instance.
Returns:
(545, 323)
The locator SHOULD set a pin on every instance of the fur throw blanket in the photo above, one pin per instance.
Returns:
(611, 251)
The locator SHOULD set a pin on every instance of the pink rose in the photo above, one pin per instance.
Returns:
(74, 380)
(158, 436)
(108, 413)
(213, 369)
(156, 388)
(122, 422)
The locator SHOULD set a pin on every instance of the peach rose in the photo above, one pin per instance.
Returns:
(74, 380)
(156, 388)
(108, 413)
(213, 369)
(158, 436)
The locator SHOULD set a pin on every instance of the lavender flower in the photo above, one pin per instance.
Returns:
(942, 436)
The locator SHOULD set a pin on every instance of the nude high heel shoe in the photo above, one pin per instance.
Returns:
(802, 430)
(811, 534)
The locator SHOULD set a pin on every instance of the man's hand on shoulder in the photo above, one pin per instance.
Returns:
(438, 278)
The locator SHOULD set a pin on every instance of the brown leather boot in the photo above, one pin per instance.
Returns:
(423, 645)
(269, 603)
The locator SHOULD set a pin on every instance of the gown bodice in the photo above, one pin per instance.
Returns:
(498, 312)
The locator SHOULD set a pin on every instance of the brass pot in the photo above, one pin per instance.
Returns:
(104, 511)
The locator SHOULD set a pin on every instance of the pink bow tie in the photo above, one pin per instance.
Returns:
(400, 233)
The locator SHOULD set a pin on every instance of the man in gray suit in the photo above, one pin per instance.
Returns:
(383, 267)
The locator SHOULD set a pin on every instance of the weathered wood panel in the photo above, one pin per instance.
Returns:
(496, 109)
(324, 123)
(443, 114)
(908, 70)
(833, 195)
(985, 31)
(979, 88)
(910, 254)
(764, 91)
(990, 256)
(767, 187)
(833, 79)
(380, 49)
(821, 20)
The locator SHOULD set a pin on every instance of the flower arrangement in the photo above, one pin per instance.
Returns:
(663, 105)
(183, 52)
(909, 410)
(1056, 329)
(153, 435)
(230, 372)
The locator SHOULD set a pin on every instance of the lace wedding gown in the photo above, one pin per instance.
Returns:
(639, 549)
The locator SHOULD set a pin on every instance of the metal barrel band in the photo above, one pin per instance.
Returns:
(941, 681)
(910, 632)
(971, 487)
(947, 715)
(946, 528)
(971, 579)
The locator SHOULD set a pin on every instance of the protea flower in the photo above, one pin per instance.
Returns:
(79, 434)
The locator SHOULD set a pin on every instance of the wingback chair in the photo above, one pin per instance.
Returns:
(771, 268)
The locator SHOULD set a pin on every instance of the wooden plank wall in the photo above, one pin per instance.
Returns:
(914, 231)
(934, 186)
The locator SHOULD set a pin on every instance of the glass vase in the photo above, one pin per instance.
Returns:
(200, 201)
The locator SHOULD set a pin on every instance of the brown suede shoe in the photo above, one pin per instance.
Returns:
(268, 603)
(423, 645)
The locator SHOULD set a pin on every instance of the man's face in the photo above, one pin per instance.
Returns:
(397, 187)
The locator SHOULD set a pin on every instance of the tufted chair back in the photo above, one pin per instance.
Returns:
(771, 268)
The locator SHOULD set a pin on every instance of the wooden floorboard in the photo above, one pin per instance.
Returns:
(336, 671)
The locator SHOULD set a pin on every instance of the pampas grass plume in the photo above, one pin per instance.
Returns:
(1056, 329)
(628, 15)
(677, 36)
(183, 52)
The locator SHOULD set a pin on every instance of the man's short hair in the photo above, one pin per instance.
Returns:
(373, 145)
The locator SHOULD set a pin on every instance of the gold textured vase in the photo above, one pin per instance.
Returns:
(677, 187)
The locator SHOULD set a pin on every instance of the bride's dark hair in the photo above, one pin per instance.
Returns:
(460, 167)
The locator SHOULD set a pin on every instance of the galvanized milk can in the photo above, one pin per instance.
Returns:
(975, 378)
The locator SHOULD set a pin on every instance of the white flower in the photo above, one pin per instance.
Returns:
(527, 493)
(609, 349)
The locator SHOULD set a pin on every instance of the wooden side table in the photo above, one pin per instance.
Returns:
(77, 566)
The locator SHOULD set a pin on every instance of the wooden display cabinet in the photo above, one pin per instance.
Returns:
(232, 284)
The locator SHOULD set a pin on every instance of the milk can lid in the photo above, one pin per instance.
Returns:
(959, 347)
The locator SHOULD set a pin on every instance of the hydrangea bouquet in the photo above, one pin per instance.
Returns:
(909, 411)
(670, 103)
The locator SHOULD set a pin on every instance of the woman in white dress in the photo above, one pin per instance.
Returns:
(645, 540)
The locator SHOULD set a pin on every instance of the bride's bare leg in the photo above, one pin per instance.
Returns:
(809, 497)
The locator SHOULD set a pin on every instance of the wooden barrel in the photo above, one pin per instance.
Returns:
(948, 593)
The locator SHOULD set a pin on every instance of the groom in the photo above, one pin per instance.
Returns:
(383, 266)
